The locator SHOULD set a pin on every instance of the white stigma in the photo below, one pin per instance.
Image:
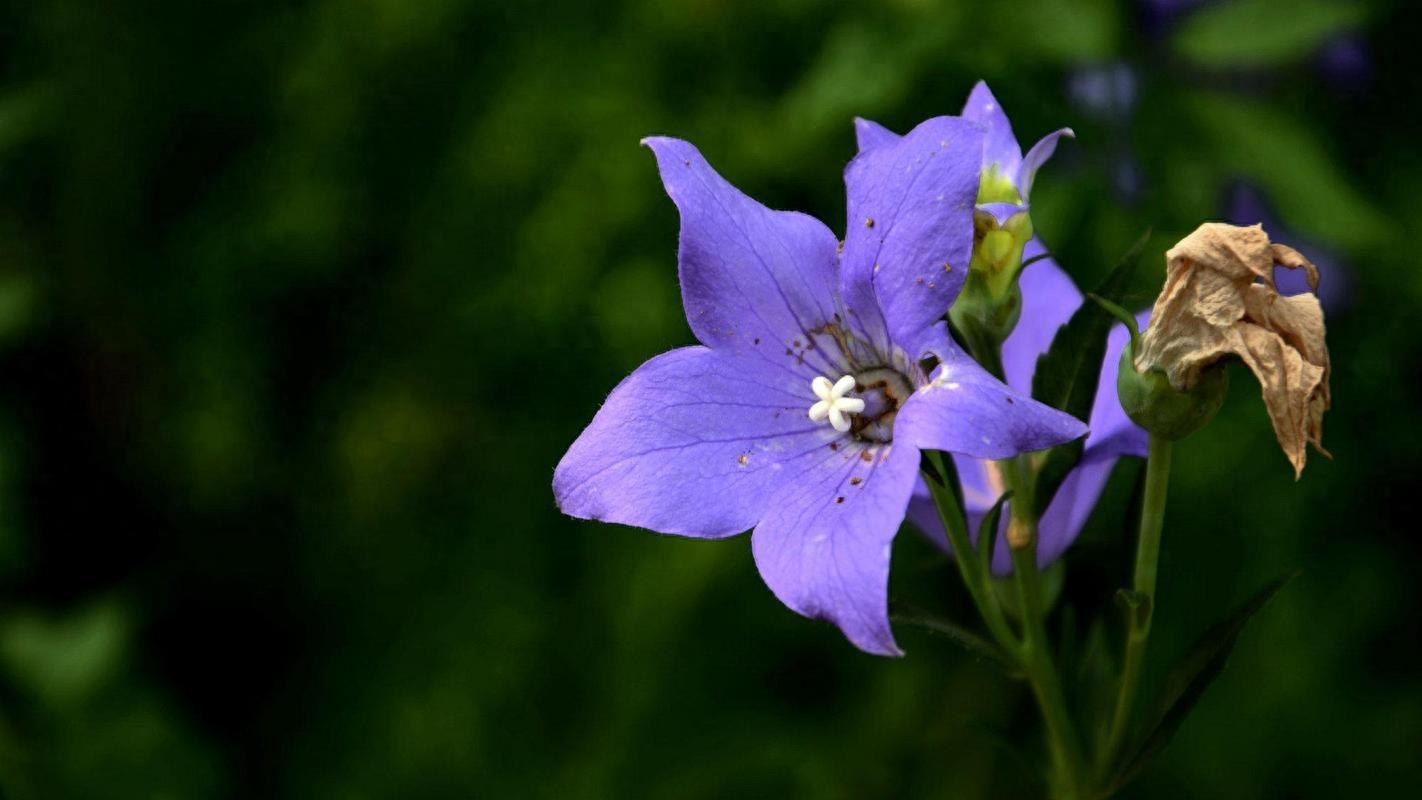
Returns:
(833, 405)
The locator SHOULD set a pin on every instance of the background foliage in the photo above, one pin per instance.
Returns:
(300, 302)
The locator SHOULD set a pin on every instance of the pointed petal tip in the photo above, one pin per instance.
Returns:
(980, 92)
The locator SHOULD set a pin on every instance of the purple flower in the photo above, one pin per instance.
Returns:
(758, 427)
(1345, 63)
(1007, 175)
(1048, 300)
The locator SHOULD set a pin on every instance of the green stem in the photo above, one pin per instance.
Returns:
(1036, 648)
(1157, 479)
(974, 572)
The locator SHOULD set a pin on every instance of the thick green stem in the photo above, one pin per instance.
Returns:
(975, 576)
(1157, 479)
(1036, 648)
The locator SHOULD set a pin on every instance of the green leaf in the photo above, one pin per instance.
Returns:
(1067, 373)
(1189, 679)
(1094, 674)
(1257, 33)
(960, 635)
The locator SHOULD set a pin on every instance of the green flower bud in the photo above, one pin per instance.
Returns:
(988, 308)
(1152, 403)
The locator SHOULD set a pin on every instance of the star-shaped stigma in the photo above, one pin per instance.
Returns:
(833, 405)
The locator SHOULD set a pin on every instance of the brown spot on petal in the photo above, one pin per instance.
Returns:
(855, 481)
(834, 446)
(868, 222)
(839, 499)
(743, 459)
(866, 456)
(947, 267)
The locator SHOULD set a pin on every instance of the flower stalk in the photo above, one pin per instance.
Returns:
(1140, 613)
(1033, 652)
(1036, 649)
(974, 570)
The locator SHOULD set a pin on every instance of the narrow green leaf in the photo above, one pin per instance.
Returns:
(1067, 373)
(960, 635)
(1094, 674)
(1189, 679)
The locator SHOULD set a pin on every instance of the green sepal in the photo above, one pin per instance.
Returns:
(1152, 403)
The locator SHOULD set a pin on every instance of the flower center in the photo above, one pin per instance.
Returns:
(833, 405)
(870, 415)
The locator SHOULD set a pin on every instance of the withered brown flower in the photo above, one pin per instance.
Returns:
(1220, 300)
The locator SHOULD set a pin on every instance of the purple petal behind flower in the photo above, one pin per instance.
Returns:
(1049, 298)
(1000, 145)
(1036, 157)
(823, 547)
(694, 442)
(910, 230)
(751, 278)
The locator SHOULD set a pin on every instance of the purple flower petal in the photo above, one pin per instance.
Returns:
(823, 547)
(1049, 298)
(1036, 157)
(909, 235)
(965, 410)
(1058, 528)
(752, 279)
(870, 134)
(694, 442)
(1000, 146)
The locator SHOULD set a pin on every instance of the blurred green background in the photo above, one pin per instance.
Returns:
(300, 303)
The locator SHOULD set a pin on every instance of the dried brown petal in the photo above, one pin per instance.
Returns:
(1220, 300)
